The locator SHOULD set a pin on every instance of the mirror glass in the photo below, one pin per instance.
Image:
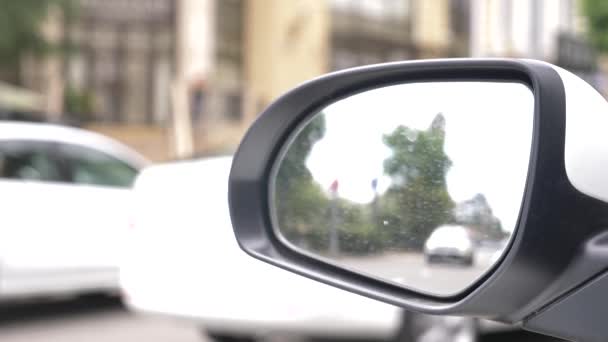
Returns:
(418, 184)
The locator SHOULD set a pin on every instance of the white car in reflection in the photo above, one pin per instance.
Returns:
(183, 261)
(65, 195)
(449, 243)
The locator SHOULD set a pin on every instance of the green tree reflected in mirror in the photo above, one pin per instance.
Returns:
(417, 184)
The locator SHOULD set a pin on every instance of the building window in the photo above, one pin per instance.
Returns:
(229, 63)
(119, 44)
(230, 36)
(234, 106)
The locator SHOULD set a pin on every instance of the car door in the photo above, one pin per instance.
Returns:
(97, 205)
(32, 236)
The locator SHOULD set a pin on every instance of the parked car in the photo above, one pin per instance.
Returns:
(183, 261)
(65, 195)
(449, 243)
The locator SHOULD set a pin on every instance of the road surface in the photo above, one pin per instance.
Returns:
(97, 320)
(411, 270)
(91, 320)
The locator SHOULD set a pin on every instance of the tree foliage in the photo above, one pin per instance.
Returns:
(476, 214)
(301, 204)
(417, 201)
(596, 12)
(401, 218)
(20, 30)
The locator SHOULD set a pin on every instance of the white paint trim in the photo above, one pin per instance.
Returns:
(586, 150)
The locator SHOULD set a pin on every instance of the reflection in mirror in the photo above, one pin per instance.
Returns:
(418, 184)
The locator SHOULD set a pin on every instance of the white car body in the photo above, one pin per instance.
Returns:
(449, 242)
(59, 237)
(182, 260)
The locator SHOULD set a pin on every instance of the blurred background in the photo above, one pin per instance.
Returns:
(176, 78)
(182, 79)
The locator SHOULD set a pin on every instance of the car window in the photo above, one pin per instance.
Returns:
(23, 160)
(88, 166)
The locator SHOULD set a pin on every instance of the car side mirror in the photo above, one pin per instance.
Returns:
(462, 187)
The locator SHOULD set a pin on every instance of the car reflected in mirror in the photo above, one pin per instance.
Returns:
(449, 243)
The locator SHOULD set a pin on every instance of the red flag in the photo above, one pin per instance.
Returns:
(334, 187)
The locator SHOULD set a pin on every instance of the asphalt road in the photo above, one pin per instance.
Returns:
(411, 270)
(98, 319)
(91, 320)
(101, 319)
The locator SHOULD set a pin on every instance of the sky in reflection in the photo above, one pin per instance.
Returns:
(488, 137)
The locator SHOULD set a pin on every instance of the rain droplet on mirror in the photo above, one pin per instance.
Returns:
(405, 200)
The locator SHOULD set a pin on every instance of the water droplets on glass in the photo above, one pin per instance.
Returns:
(416, 182)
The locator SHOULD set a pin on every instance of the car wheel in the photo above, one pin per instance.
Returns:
(216, 336)
(416, 327)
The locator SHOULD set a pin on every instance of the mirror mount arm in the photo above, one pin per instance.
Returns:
(562, 318)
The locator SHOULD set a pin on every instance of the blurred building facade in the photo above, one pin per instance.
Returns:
(549, 30)
(522, 28)
(231, 58)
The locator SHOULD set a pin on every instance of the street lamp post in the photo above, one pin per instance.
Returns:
(334, 238)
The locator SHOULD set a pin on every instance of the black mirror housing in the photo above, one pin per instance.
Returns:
(559, 244)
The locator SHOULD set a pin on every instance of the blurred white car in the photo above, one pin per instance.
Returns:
(182, 260)
(449, 243)
(65, 195)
